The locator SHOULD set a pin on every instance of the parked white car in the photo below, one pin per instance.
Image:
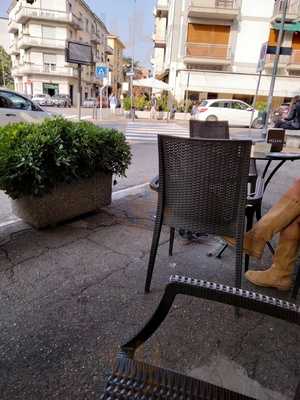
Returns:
(15, 107)
(236, 112)
(42, 100)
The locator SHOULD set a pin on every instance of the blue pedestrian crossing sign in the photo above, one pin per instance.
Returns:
(101, 71)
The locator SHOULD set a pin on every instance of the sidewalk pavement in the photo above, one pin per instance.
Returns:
(71, 294)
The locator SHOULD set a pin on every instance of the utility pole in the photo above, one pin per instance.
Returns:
(275, 66)
(132, 64)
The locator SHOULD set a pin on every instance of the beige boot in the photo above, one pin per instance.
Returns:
(280, 274)
(276, 219)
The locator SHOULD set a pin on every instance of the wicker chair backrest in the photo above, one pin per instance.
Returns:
(209, 129)
(203, 183)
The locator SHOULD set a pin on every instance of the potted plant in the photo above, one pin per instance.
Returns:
(58, 169)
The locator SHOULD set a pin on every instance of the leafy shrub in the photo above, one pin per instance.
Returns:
(261, 106)
(162, 103)
(127, 103)
(36, 157)
(140, 103)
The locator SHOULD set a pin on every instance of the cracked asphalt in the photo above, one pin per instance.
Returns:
(71, 294)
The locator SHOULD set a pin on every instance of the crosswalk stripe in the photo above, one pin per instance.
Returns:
(148, 132)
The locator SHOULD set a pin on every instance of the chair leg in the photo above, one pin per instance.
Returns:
(249, 225)
(171, 243)
(297, 285)
(220, 253)
(153, 252)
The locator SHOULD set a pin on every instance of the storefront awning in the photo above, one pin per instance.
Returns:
(294, 27)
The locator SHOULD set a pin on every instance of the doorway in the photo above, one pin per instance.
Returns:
(71, 93)
(51, 88)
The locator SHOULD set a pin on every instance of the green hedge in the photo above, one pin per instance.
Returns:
(36, 157)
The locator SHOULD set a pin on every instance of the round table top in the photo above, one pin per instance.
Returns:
(288, 153)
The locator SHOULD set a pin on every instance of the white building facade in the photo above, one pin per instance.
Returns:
(210, 48)
(4, 37)
(38, 37)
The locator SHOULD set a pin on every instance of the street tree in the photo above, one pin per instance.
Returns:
(6, 79)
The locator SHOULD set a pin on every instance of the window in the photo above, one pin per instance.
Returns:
(236, 105)
(49, 32)
(12, 100)
(212, 34)
(221, 104)
(49, 62)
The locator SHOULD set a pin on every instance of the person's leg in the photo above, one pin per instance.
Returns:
(279, 275)
(276, 219)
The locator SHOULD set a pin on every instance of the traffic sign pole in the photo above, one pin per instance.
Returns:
(79, 92)
(275, 68)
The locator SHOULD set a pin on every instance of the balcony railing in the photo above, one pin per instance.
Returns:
(294, 61)
(208, 51)
(159, 39)
(225, 9)
(12, 26)
(26, 13)
(13, 48)
(27, 41)
(219, 4)
(109, 50)
(293, 10)
(161, 9)
(46, 69)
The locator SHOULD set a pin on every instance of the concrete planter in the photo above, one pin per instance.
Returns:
(66, 201)
(182, 116)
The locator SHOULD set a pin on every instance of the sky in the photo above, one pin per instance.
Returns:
(118, 15)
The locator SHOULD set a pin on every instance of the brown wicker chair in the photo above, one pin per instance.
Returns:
(202, 188)
(209, 129)
(132, 379)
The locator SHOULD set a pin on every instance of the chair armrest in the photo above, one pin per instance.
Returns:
(257, 195)
(216, 292)
(154, 184)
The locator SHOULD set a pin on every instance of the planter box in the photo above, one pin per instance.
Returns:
(183, 116)
(66, 201)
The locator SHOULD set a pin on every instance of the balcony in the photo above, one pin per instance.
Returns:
(53, 70)
(26, 13)
(220, 9)
(294, 61)
(293, 11)
(109, 50)
(95, 38)
(204, 53)
(283, 61)
(26, 41)
(161, 9)
(12, 26)
(159, 40)
(13, 49)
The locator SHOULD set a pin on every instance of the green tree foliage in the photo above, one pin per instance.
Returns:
(5, 70)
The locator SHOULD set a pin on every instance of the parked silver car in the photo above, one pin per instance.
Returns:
(42, 100)
(15, 107)
(61, 100)
(90, 102)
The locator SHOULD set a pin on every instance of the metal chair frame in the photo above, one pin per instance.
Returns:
(190, 191)
(134, 379)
